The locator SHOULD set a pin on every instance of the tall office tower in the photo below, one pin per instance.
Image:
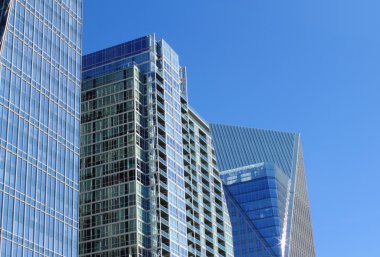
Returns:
(39, 140)
(140, 193)
(263, 174)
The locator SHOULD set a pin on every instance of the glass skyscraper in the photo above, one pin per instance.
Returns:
(148, 181)
(40, 75)
(263, 175)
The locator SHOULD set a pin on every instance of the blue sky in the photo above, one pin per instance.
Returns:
(297, 65)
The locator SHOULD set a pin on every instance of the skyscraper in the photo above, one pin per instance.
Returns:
(263, 173)
(39, 119)
(148, 181)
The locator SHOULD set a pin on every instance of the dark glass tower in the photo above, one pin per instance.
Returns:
(263, 173)
(149, 182)
(40, 51)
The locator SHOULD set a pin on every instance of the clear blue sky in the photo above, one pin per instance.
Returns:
(296, 65)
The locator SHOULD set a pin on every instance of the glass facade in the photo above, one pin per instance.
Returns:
(39, 119)
(133, 199)
(263, 174)
(209, 230)
(267, 186)
(247, 239)
(114, 185)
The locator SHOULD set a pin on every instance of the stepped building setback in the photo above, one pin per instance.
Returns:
(263, 174)
(101, 155)
(148, 177)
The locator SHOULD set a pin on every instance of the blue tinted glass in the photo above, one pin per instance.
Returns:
(39, 116)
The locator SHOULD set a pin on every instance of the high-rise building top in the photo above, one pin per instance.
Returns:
(135, 51)
(136, 139)
(242, 146)
(263, 172)
(40, 63)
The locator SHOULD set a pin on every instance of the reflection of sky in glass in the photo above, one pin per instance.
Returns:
(261, 190)
(39, 124)
(275, 200)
